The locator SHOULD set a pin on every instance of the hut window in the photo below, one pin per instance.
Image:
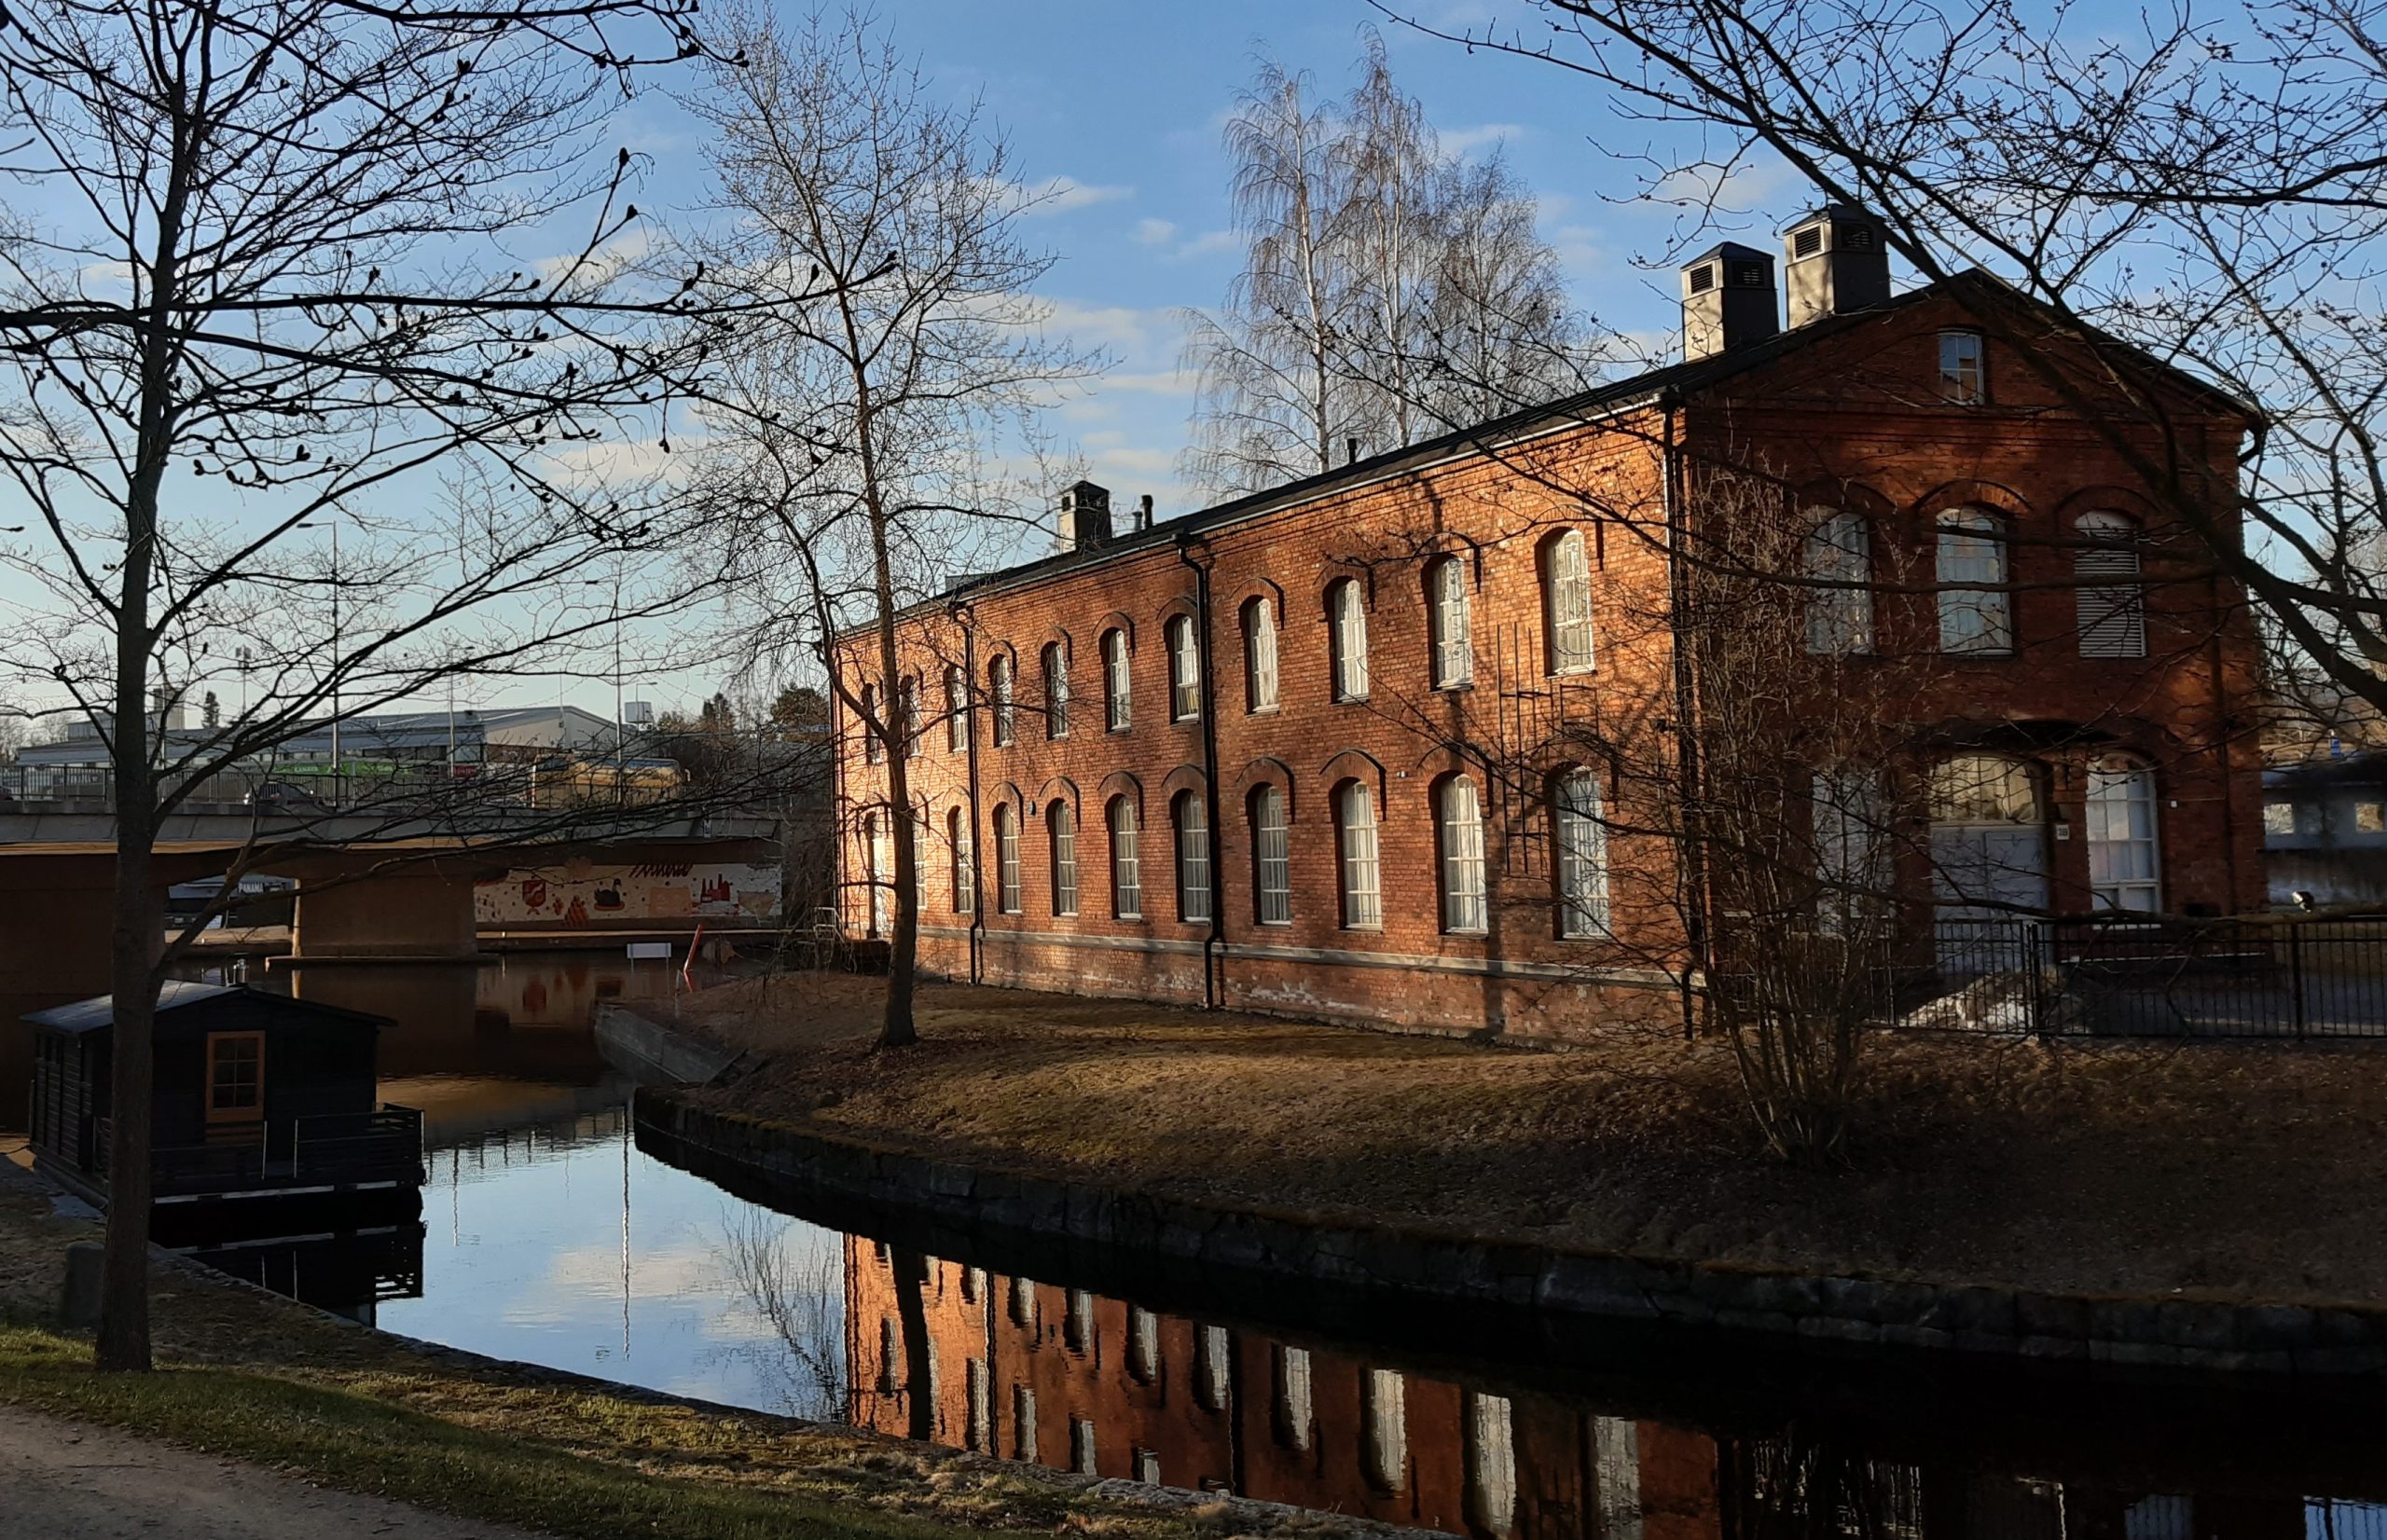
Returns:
(235, 1077)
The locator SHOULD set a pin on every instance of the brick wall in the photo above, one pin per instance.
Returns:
(1852, 420)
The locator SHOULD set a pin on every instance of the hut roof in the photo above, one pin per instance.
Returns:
(180, 994)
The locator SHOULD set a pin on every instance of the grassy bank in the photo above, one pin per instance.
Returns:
(253, 1377)
(2215, 1171)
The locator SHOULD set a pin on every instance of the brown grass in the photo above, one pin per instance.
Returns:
(2133, 1169)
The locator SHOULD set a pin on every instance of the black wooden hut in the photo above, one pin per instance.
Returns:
(255, 1094)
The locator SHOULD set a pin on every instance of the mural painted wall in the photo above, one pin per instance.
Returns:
(590, 894)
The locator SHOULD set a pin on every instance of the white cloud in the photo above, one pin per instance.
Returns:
(1130, 330)
(1481, 136)
(1066, 194)
(1154, 232)
(1152, 382)
(1137, 462)
(1209, 241)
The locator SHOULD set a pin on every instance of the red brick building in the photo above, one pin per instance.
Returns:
(1399, 741)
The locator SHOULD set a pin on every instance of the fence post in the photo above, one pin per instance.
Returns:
(2296, 972)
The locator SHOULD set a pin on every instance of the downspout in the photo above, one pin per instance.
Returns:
(969, 705)
(1213, 944)
(1694, 857)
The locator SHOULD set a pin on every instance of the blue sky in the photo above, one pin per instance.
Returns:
(1119, 109)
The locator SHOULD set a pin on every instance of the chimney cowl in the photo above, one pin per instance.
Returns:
(1085, 516)
(1835, 259)
(1144, 512)
(1727, 300)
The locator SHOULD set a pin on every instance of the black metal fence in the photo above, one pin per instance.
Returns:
(2157, 977)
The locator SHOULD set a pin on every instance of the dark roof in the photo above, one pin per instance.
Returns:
(1649, 386)
(175, 993)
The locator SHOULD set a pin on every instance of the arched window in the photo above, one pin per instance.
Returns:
(881, 839)
(1184, 670)
(1117, 711)
(2109, 604)
(1567, 600)
(1581, 867)
(957, 709)
(1127, 864)
(873, 747)
(909, 691)
(1465, 907)
(1192, 820)
(1057, 691)
(1974, 610)
(998, 686)
(965, 870)
(1347, 612)
(1007, 858)
(1061, 820)
(1354, 833)
(1259, 655)
(1272, 864)
(1840, 621)
(1454, 645)
(2124, 869)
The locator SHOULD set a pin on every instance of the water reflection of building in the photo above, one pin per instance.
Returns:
(1073, 1381)
(348, 1274)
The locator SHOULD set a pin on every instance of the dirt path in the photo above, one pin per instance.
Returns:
(66, 1482)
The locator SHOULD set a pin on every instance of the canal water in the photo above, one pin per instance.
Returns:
(552, 1233)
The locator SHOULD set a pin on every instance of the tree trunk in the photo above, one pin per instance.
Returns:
(911, 1270)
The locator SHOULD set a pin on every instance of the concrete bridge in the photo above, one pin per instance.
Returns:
(405, 895)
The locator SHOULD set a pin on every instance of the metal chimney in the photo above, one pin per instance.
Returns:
(1835, 259)
(1727, 300)
(1085, 516)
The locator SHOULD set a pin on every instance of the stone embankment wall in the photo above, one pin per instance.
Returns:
(1416, 1262)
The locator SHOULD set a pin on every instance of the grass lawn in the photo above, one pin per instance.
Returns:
(2134, 1169)
(247, 1375)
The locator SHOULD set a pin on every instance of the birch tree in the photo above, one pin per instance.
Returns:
(869, 457)
(1389, 292)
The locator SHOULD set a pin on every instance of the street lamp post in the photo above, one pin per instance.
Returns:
(312, 524)
(621, 792)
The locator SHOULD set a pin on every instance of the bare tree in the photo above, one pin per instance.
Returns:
(257, 286)
(2208, 188)
(871, 458)
(1389, 292)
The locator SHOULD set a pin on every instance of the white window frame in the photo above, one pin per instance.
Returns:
(957, 709)
(1259, 656)
(1386, 1411)
(1849, 807)
(1272, 863)
(2109, 599)
(1567, 603)
(1118, 683)
(1964, 368)
(965, 874)
(878, 833)
(1007, 859)
(1126, 862)
(1489, 1458)
(2122, 823)
(1190, 817)
(1055, 661)
(1971, 564)
(1360, 856)
(1840, 549)
(1466, 904)
(1452, 642)
(1184, 670)
(999, 685)
(1348, 638)
(1580, 840)
(907, 693)
(1061, 841)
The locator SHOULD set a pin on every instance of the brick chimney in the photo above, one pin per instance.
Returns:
(1727, 300)
(1085, 516)
(1835, 259)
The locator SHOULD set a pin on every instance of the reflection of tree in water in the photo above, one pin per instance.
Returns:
(799, 1293)
(1795, 1486)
